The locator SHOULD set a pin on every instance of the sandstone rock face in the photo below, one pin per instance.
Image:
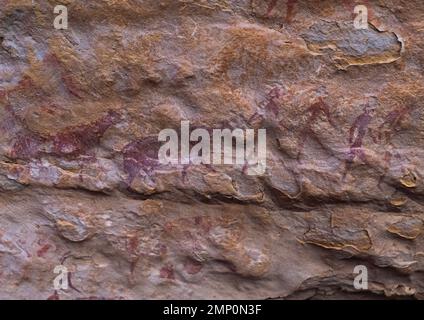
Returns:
(81, 186)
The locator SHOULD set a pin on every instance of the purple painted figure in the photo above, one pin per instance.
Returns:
(141, 155)
(318, 107)
(273, 103)
(357, 134)
(392, 121)
(385, 133)
(270, 108)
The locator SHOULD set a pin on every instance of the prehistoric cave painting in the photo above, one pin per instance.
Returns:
(141, 155)
(317, 108)
(71, 284)
(23, 84)
(138, 249)
(357, 133)
(27, 144)
(51, 70)
(273, 97)
(392, 122)
(270, 107)
(191, 234)
(195, 236)
(43, 249)
(77, 140)
(27, 147)
(73, 141)
(386, 131)
(52, 61)
(132, 247)
(167, 272)
(62, 260)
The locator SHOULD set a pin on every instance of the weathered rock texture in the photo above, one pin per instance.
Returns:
(80, 184)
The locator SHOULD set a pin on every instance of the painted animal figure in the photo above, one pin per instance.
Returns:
(141, 155)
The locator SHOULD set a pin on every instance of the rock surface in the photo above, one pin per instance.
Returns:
(80, 185)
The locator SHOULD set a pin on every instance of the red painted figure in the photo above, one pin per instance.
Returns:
(392, 121)
(386, 131)
(73, 141)
(357, 133)
(318, 107)
(57, 66)
(270, 107)
(141, 154)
